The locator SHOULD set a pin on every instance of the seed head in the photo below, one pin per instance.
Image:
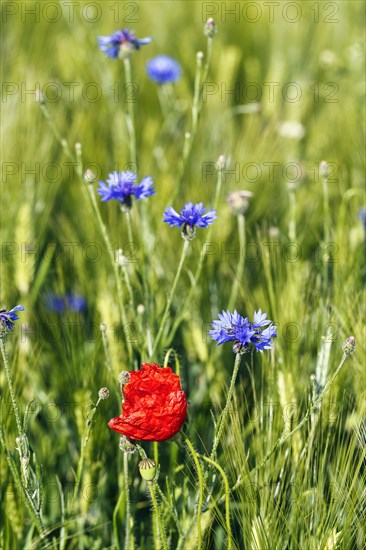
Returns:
(147, 468)
(103, 393)
(349, 345)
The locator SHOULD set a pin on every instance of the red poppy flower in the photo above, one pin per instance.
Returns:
(154, 406)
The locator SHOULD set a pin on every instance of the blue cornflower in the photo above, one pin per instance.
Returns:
(233, 327)
(362, 216)
(121, 43)
(7, 318)
(163, 69)
(121, 186)
(190, 216)
(59, 304)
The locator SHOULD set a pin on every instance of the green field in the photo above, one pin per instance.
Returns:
(271, 459)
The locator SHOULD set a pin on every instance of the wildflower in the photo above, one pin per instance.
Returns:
(239, 201)
(233, 327)
(147, 468)
(154, 406)
(121, 43)
(163, 69)
(210, 28)
(121, 186)
(7, 318)
(190, 216)
(349, 345)
(103, 393)
(70, 302)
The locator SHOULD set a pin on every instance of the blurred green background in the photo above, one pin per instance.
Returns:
(299, 63)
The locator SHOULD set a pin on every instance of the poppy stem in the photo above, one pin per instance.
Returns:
(164, 544)
(127, 501)
(221, 422)
(84, 443)
(156, 452)
(171, 295)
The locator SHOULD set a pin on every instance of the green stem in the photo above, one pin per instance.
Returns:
(197, 93)
(115, 269)
(200, 491)
(84, 443)
(129, 225)
(130, 116)
(33, 512)
(221, 422)
(171, 295)
(12, 393)
(240, 270)
(227, 499)
(124, 267)
(156, 452)
(326, 210)
(197, 105)
(188, 299)
(107, 355)
(292, 208)
(128, 505)
(115, 514)
(208, 58)
(62, 141)
(286, 435)
(151, 485)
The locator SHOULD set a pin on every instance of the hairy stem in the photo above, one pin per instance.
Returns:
(164, 544)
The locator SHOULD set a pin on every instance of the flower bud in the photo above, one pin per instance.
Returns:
(210, 28)
(140, 309)
(273, 232)
(123, 377)
(39, 97)
(103, 327)
(221, 162)
(103, 393)
(239, 201)
(349, 345)
(147, 468)
(89, 176)
(324, 169)
(126, 446)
